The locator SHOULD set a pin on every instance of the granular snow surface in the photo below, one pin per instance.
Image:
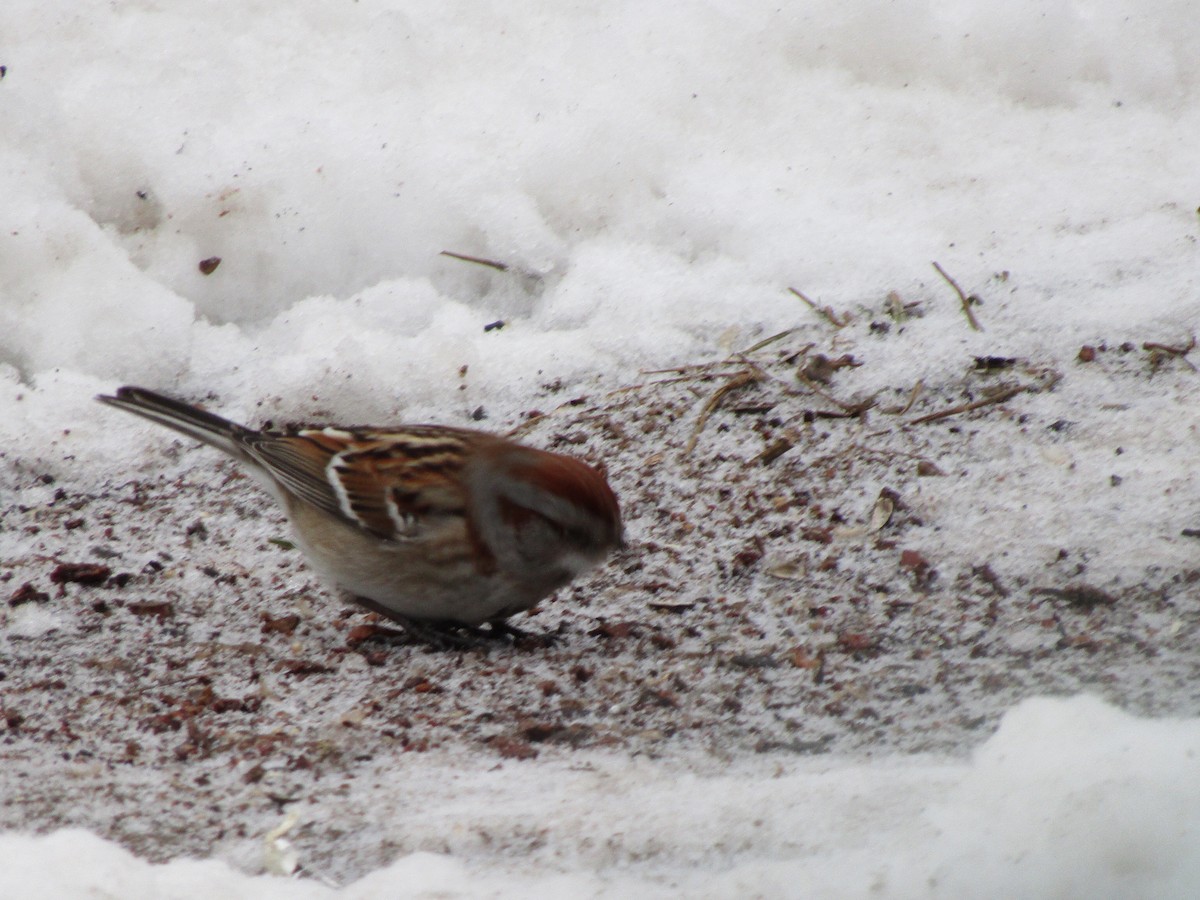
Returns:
(911, 605)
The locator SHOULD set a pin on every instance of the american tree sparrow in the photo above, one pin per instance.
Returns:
(439, 529)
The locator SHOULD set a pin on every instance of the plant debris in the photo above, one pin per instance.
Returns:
(966, 301)
(80, 573)
(791, 586)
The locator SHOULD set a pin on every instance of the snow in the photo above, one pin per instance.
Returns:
(1069, 798)
(655, 178)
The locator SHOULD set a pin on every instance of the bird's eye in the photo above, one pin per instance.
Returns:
(577, 536)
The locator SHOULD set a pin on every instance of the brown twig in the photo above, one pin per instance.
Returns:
(850, 409)
(768, 341)
(775, 450)
(912, 399)
(737, 381)
(525, 425)
(1169, 349)
(530, 421)
(1153, 348)
(700, 370)
(999, 396)
(825, 311)
(478, 260)
(697, 376)
(962, 296)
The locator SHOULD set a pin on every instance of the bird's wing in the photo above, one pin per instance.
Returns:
(393, 484)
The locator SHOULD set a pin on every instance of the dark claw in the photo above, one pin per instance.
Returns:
(455, 635)
(520, 637)
(444, 635)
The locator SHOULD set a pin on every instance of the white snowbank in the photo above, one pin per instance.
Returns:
(655, 178)
(1070, 798)
(661, 177)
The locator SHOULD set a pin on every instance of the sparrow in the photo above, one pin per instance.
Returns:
(439, 529)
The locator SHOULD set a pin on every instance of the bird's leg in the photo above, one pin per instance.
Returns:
(438, 635)
(457, 635)
(499, 628)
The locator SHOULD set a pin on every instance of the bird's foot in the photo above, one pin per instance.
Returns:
(525, 640)
(441, 635)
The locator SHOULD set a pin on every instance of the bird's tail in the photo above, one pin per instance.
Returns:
(182, 417)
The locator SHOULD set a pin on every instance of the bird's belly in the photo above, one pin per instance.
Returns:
(433, 577)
